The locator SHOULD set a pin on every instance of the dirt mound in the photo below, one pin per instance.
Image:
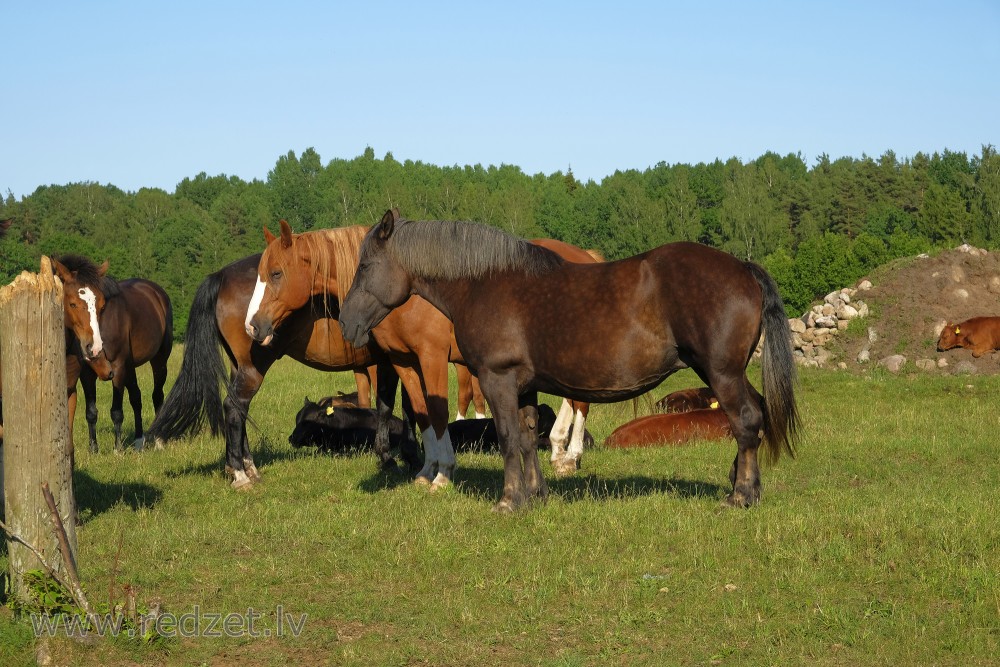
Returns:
(910, 300)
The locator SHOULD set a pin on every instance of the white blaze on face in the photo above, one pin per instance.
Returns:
(89, 298)
(258, 296)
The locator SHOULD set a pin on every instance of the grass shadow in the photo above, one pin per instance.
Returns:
(483, 481)
(94, 497)
(264, 453)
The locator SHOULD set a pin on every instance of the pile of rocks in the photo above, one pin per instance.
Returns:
(819, 325)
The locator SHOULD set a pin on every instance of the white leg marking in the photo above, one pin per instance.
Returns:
(560, 430)
(480, 415)
(90, 299)
(258, 296)
(446, 462)
(459, 416)
(240, 480)
(576, 441)
(426, 473)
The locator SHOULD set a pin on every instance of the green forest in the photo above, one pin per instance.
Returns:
(815, 228)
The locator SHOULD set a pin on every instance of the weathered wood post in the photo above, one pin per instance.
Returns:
(36, 445)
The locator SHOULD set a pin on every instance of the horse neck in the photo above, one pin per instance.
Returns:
(447, 295)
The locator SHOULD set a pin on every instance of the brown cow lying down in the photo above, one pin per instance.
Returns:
(480, 435)
(979, 334)
(336, 428)
(686, 400)
(671, 429)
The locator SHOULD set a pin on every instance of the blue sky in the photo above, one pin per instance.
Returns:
(144, 94)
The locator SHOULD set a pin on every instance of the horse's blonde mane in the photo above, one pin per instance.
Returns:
(335, 252)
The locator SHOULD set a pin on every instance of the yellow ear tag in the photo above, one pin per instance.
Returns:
(713, 405)
(329, 410)
(958, 330)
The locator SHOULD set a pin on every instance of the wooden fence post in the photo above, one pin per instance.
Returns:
(36, 445)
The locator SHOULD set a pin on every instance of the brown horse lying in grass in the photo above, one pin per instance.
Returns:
(671, 429)
(979, 334)
(685, 400)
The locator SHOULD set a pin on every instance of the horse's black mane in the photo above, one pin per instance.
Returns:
(87, 274)
(458, 250)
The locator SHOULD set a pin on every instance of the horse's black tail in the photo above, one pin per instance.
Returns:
(781, 416)
(196, 396)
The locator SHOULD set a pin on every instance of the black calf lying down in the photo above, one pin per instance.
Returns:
(334, 428)
(331, 428)
(480, 435)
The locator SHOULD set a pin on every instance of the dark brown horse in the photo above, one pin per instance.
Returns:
(137, 327)
(682, 305)
(217, 317)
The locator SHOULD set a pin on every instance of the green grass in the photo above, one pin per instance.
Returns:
(876, 545)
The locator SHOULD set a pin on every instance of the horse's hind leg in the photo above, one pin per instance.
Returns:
(243, 386)
(501, 393)
(742, 404)
(558, 438)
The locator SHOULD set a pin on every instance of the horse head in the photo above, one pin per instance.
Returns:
(83, 300)
(380, 283)
(294, 268)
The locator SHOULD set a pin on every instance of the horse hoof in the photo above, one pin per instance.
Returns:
(241, 482)
(420, 480)
(159, 445)
(139, 444)
(440, 483)
(739, 500)
(251, 471)
(504, 507)
(565, 468)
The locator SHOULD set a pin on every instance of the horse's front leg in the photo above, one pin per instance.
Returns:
(385, 398)
(89, 383)
(135, 400)
(535, 486)
(501, 395)
(435, 374)
(117, 413)
(414, 388)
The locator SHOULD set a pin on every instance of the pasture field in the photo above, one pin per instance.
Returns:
(877, 545)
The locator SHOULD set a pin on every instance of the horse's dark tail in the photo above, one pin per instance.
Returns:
(781, 416)
(196, 396)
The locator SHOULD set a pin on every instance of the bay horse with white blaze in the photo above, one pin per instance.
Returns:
(682, 305)
(217, 320)
(137, 323)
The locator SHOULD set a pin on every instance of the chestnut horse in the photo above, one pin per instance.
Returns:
(137, 323)
(682, 305)
(217, 318)
(417, 338)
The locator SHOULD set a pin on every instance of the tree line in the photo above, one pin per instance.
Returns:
(814, 228)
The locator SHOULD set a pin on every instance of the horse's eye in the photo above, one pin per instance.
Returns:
(72, 305)
(276, 275)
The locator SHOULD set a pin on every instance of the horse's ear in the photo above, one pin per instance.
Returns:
(387, 223)
(286, 234)
(61, 271)
(102, 270)
(395, 213)
(268, 236)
